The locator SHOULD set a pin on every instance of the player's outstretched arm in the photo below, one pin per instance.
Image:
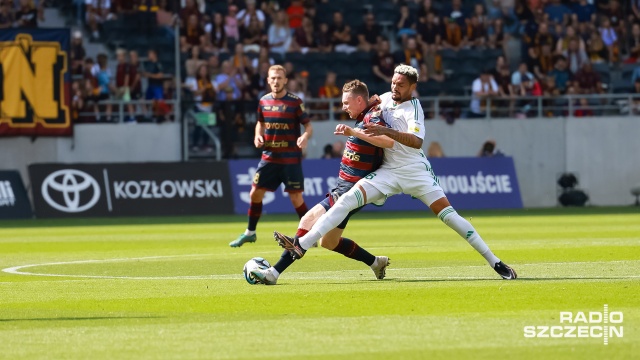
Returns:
(308, 131)
(379, 141)
(403, 138)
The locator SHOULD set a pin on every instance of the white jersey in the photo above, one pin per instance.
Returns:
(406, 117)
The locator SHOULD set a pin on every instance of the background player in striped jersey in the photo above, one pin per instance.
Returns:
(405, 170)
(280, 114)
(362, 155)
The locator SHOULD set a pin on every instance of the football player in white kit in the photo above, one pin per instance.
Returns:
(405, 169)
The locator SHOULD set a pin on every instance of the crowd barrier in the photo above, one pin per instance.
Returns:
(160, 189)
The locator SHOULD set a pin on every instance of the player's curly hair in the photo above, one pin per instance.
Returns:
(356, 87)
(409, 72)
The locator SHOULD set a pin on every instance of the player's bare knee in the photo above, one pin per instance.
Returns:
(256, 195)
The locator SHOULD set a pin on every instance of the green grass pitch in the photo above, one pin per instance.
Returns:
(173, 288)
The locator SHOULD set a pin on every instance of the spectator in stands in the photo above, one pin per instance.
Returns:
(413, 56)
(295, 88)
(217, 33)
(122, 7)
(407, 23)
(636, 99)
(633, 44)
(327, 152)
(561, 74)
(476, 34)
(584, 12)
(323, 38)
(370, 34)
(6, 15)
(97, 11)
(213, 63)
(483, 88)
(610, 39)
(305, 37)
(598, 52)
(262, 58)
(329, 90)
(77, 53)
(280, 34)
(489, 149)
(456, 13)
(481, 14)
(295, 11)
(497, 36)
(430, 33)
(27, 15)
(558, 13)
(543, 37)
(588, 81)
(251, 11)
(253, 37)
(383, 62)
(134, 76)
(191, 34)
(190, 8)
(635, 7)
(341, 38)
(615, 14)
(231, 29)
(563, 42)
(105, 87)
(435, 150)
(542, 63)
(154, 73)
(229, 83)
(517, 76)
(204, 93)
(426, 8)
(453, 38)
(583, 108)
(575, 56)
(502, 76)
(123, 81)
(241, 61)
(258, 86)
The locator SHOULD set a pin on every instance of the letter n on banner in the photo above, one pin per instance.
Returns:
(35, 82)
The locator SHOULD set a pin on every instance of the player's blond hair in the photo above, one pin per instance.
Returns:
(357, 88)
(278, 68)
(409, 72)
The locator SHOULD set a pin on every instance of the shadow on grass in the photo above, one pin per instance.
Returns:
(89, 318)
(518, 280)
(223, 219)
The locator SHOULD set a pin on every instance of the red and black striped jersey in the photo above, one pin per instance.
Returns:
(281, 119)
(360, 157)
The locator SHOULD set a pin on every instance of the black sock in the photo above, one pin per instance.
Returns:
(350, 249)
(285, 261)
(255, 210)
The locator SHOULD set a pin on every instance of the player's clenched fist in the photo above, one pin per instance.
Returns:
(302, 142)
(258, 141)
(342, 129)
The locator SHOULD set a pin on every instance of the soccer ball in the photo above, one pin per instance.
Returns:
(253, 264)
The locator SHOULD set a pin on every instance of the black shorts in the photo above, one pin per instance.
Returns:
(341, 188)
(270, 175)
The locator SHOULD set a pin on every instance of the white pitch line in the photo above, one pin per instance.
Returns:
(17, 270)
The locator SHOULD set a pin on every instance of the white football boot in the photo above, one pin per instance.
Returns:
(379, 269)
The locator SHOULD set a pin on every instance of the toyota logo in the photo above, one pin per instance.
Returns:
(74, 185)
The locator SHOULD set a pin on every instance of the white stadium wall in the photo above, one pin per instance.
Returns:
(92, 143)
(603, 152)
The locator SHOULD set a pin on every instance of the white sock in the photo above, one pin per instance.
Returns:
(274, 272)
(249, 232)
(464, 228)
(332, 218)
(375, 262)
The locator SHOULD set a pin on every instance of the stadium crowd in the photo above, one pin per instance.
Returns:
(562, 47)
